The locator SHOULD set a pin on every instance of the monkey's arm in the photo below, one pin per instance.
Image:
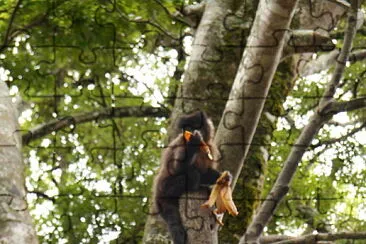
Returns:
(188, 154)
(210, 177)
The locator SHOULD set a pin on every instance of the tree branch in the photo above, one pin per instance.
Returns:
(43, 195)
(177, 16)
(352, 122)
(149, 21)
(327, 60)
(281, 186)
(358, 55)
(334, 140)
(323, 62)
(191, 14)
(337, 107)
(315, 238)
(310, 216)
(270, 239)
(305, 41)
(195, 9)
(38, 20)
(107, 113)
(342, 58)
(342, 3)
(11, 21)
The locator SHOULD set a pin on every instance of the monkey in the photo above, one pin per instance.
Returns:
(185, 167)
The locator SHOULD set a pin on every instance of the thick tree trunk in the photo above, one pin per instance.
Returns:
(250, 184)
(213, 62)
(197, 221)
(15, 222)
(215, 56)
(252, 82)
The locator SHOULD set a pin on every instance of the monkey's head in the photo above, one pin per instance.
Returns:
(197, 121)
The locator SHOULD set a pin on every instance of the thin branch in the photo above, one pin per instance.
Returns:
(290, 120)
(342, 3)
(323, 62)
(343, 56)
(139, 20)
(147, 87)
(315, 238)
(337, 123)
(7, 34)
(38, 20)
(194, 9)
(273, 239)
(191, 14)
(315, 156)
(282, 184)
(43, 195)
(173, 16)
(337, 107)
(358, 55)
(327, 60)
(334, 140)
(107, 113)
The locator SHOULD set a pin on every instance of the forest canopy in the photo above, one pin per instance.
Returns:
(98, 85)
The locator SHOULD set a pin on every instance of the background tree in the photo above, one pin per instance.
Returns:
(16, 223)
(95, 82)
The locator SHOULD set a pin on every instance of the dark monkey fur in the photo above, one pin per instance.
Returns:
(184, 168)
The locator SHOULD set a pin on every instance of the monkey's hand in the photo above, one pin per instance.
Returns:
(213, 197)
(193, 143)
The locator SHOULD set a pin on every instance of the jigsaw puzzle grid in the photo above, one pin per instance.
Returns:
(87, 51)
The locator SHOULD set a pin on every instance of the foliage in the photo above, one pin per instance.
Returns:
(92, 181)
(68, 57)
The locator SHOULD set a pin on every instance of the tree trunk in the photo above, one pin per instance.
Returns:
(197, 221)
(252, 82)
(214, 59)
(215, 56)
(250, 183)
(15, 222)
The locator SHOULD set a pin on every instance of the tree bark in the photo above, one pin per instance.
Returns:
(106, 113)
(213, 62)
(215, 56)
(197, 221)
(250, 184)
(328, 60)
(315, 238)
(15, 222)
(252, 82)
